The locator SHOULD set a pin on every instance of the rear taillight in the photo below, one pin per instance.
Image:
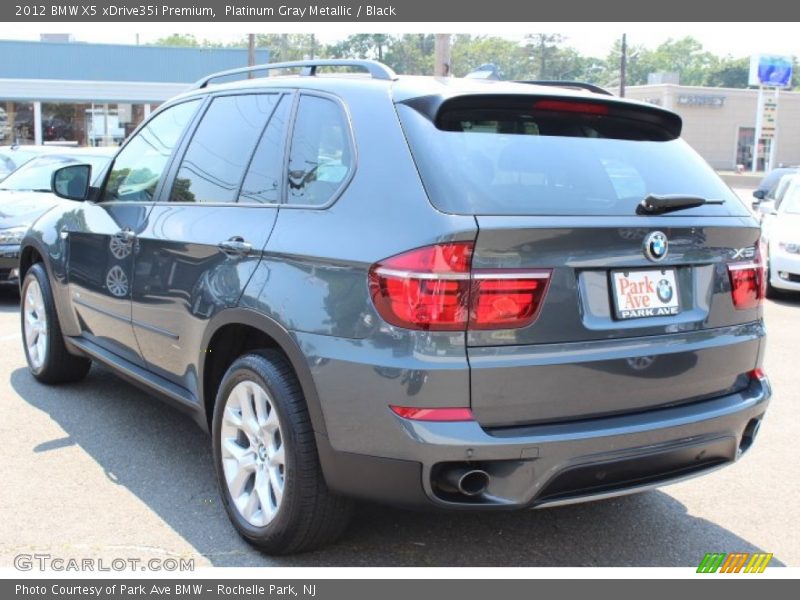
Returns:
(506, 300)
(433, 288)
(748, 282)
(426, 288)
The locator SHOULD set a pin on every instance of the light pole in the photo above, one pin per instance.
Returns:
(623, 65)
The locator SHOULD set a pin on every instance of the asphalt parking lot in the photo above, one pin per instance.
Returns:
(100, 469)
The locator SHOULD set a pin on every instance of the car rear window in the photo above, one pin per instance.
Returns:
(520, 158)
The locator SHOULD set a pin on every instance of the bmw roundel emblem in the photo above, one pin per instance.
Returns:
(656, 246)
(664, 291)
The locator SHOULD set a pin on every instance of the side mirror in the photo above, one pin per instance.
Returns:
(72, 182)
(759, 194)
(767, 208)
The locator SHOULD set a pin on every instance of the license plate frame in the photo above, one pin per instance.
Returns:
(643, 296)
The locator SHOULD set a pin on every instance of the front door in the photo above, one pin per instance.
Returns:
(101, 239)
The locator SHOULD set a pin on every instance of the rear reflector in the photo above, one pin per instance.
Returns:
(433, 414)
(434, 289)
(757, 373)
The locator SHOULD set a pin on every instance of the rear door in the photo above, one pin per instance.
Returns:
(631, 312)
(204, 238)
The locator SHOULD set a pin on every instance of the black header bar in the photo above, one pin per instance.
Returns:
(399, 11)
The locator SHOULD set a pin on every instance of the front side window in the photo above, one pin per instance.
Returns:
(218, 155)
(140, 165)
(321, 157)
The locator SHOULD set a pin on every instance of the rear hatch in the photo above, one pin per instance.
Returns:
(635, 310)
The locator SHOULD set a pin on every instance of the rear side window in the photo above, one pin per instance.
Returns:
(262, 182)
(219, 152)
(321, 156)
(140, 164)
(523, 160)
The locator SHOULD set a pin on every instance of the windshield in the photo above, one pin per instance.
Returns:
(9, 161)
(791, 201)
(35, 175)
(518, 162)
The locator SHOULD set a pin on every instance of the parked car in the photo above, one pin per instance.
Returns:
(776, 193)
(769, 181)
(26, 194)
(780, 233)
(435, 293)
(13, 157)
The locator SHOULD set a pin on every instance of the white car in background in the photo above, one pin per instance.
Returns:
(780, 231)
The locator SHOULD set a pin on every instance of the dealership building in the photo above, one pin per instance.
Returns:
(720, 123)
(63, 92)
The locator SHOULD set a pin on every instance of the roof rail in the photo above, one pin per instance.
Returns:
(579, 85)
(309, 69)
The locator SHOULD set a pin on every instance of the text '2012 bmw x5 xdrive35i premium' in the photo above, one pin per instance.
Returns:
(428, 292)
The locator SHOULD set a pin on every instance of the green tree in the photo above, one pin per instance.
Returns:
(685, 56)
(289, 46)
(469, 52)
(362, 45)
(186, 40)
(730, 72)
(411, 54)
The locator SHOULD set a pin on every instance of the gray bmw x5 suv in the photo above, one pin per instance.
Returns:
(426, 292)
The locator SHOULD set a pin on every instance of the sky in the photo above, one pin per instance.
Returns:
(592, 39)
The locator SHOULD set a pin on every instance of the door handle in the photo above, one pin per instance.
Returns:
(235, 246)
(127, 235)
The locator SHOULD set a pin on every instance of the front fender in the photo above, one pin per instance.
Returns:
(44, 239)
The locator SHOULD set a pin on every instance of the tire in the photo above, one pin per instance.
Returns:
(771, 292)
(261, 388)
(47, 356)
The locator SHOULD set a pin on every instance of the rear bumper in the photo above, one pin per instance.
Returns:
(371, 453)
(556, 464)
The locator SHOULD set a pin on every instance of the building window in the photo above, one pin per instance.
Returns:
(16, 122)
(89, 124)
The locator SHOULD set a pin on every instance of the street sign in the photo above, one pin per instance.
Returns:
(769, 114)
(770, 70)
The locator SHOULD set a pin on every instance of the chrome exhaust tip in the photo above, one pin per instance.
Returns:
(467, 481)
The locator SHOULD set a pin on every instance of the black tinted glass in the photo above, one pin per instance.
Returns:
(140, 164)
(262, 183)
(219, 152)
(528, 162)
(321, 157)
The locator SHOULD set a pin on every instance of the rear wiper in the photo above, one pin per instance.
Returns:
(658, 205)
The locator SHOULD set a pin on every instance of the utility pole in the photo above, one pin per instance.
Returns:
(441, 55)
(251, 52)
(623, 65)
